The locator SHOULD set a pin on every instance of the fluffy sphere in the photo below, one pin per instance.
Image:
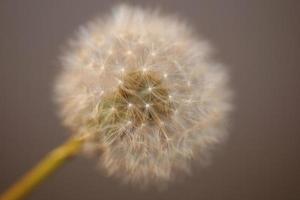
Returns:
(145, 90)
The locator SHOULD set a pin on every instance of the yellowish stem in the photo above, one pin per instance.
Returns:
(43, 169)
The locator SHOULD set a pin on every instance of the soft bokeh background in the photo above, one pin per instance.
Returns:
(258, 39)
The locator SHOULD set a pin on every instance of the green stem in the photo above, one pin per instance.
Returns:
(43, 169)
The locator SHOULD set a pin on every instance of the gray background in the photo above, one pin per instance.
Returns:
(259, 41)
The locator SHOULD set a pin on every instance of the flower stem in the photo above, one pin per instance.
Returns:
(43, 169)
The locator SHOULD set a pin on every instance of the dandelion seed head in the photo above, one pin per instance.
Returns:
(167, 107)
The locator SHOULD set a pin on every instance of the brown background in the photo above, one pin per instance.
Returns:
(259, 41)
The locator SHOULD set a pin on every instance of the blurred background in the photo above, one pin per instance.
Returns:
(259, 40)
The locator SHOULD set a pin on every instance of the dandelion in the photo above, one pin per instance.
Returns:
(170, 62)
(144, 94)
